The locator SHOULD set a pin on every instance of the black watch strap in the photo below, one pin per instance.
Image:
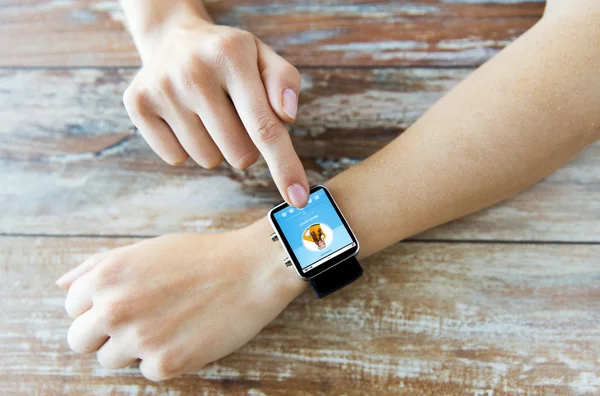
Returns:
(337, 277)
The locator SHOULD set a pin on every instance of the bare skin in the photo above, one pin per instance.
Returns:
(212, 92)
(512, 122)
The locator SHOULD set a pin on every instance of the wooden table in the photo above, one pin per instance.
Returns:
(506, 301)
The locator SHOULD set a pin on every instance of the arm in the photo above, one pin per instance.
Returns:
(212, 92)
(509, 124)
(512, 122)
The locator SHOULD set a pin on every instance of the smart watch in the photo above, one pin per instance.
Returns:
(319, 242)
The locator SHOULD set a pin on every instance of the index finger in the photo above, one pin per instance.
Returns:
(270, 136)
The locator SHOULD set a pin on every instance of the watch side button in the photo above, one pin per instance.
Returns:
(287, 262)
(274, 237)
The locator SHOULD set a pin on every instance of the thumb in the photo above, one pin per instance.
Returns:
(281, 81)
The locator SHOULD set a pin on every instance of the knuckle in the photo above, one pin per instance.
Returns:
(105, 316)
(233, 41)
(231, 45)
(107, 274)
(144, 339)
(112, 314)
(190, 75)
(107, 359)
(211, 163)
(136, 100)
(177, 159)
(72, 341)
(268, 129)
(165, 364)
(163, 84)
(246, 160)
(106, 362)
(154, 376)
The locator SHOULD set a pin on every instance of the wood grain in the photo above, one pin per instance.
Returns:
(436, 315)
(333, 32)
(70, 114)
(72, 163)
(427, 318)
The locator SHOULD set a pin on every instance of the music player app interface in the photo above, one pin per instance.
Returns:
(315, 233)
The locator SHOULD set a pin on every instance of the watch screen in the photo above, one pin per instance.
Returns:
(316, 233)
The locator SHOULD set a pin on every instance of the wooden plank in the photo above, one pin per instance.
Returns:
(78, 112)
(427, 318)
(72, 164)
(335, 32)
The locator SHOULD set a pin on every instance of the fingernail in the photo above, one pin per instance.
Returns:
(298, 195)
(290, 102)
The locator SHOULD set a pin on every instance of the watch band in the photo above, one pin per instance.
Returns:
(337, 277)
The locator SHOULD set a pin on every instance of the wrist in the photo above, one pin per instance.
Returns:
(149, 28)
(267, 258)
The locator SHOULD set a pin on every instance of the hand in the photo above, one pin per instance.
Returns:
(176, 302)
(210, 92)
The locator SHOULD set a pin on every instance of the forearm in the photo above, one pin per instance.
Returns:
(147, 19)
(512, 122)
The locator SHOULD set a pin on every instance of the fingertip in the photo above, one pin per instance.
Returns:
(247, 159)
(297, 195)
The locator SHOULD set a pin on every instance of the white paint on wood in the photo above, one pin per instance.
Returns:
(463, 57)
(92, 32)
(471, 42)
(374, 47)
(112, 9)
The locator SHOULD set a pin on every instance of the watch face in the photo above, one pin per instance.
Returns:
(317, 236)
